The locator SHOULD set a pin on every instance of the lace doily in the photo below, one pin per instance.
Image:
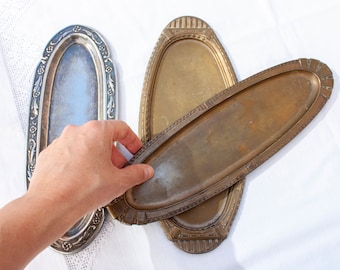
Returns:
(83, 260)
(14, 47)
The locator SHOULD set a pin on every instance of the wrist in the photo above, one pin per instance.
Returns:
(31, 223)
(54, 213)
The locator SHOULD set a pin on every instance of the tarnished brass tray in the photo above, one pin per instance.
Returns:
(188, 66)
(74, 82)
(219, 142)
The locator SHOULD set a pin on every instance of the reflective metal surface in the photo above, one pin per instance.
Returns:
(188, 66)
(222, 140)
(74, 82)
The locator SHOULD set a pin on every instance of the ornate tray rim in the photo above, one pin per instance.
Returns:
(107, 109)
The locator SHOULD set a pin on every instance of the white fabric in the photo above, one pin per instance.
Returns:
(289, 216)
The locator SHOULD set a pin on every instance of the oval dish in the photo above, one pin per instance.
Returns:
(74, 82)
(223, 139)
(188, 66)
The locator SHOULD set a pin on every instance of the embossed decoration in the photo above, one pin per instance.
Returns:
(222, 140)
(75, 81)
(69, 245)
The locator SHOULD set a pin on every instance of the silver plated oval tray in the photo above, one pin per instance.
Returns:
(74, 82)
(222, 140)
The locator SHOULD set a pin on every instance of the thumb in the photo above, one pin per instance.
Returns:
(138, 173)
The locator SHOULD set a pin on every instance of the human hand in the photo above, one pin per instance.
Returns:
(82, 169)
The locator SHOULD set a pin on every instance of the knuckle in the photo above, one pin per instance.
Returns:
(93, 129)
(93, 125)
(69, 128)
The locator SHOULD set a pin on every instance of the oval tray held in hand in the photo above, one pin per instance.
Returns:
(222, 140)
(75, 82)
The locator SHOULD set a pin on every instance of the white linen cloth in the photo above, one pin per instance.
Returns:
(289, 216)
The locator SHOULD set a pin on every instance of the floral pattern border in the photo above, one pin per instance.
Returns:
(34, 120)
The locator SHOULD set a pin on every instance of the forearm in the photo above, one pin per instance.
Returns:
(27, 226)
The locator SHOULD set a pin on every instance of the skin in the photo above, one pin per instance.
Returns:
(77, 173)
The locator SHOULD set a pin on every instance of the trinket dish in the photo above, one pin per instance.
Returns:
(219, 142)
(74, 82)
(188, 66)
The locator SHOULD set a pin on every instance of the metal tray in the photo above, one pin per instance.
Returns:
(219, 142)
(74, 82)
(188, 66)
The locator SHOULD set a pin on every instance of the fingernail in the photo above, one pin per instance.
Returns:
(148, 172)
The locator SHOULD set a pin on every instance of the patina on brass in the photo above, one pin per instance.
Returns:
(188, 66)
(222, 140)
(75, 82)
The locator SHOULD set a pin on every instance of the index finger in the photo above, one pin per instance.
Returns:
(121, 132)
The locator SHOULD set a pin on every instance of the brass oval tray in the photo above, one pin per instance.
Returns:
(219, 142)
(74, 82)
(188, 66)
